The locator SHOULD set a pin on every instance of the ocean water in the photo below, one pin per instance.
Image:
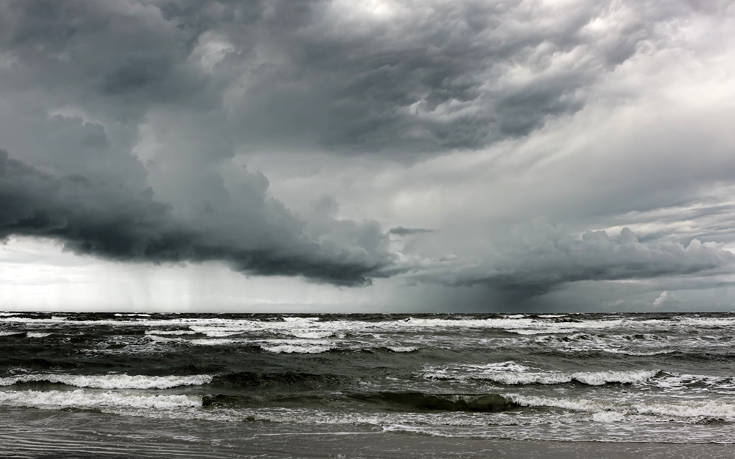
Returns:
(223, 381)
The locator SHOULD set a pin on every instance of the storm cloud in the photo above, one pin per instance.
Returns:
(533, 266)
(522, 147)
(98, 219)
(364, 77)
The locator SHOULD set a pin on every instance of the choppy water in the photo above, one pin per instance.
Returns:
(573, 377)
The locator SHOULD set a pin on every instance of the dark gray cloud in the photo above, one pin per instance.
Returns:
(412, 77)
(403, 231)
(113, 222)
(538, 261)
(112, 102)
(427, 78)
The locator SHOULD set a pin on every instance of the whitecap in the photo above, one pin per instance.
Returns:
(10, 333)
(111, 381)
(563, 403)
(403, 348)
(598, 378)
(608, 416)
(214, 341)
(170, 332)
(296, 348)
(308, 334)
(637, 353)
(301, 319)
(37, 334)
(690, 409)
(695, 409)
(82, 398)
(217, 332)
(512, 373)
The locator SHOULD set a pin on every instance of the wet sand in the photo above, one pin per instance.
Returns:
(46, 433)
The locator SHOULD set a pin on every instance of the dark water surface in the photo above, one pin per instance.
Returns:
(225, 384)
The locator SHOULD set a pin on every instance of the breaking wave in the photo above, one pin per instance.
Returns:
(511, 373)
(86, 399)
(606, 410)
(112, 381)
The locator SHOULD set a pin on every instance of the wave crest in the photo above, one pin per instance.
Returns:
(111, 381)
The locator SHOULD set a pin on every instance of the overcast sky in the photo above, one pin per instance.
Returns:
(367, 155)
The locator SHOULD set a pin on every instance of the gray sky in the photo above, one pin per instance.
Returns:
(375, 155)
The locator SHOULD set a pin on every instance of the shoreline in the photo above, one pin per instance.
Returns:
(363, 446)
(77, 433)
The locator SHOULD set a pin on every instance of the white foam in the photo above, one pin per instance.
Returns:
(637, 353)
(681, 381)
(540, 331)
(645, 344)
(113, 381)
(216, 332)
(301, 319)
(512, 373)
(170, 332)
(297, 348)
(214, 341)
(472, 371)
(706, 321)
(508, 365)
(314, 327)
(163, 340)
(10, 333)
(690, 409)
(608, 416)
(529, 378)
(403, 348)
(598, 378)
(82, 398)
(304, 325)
(37, 334)
(683, 409)
(567, 404)
(307, 334)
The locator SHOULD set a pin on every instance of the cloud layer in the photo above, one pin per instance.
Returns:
(521, 146)
(102, 220)
(543, 259)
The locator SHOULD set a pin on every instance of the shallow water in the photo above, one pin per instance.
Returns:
(577, 377)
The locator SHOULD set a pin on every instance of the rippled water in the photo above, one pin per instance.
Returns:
(575, 377)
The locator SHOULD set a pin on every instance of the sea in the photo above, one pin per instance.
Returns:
(362, 385)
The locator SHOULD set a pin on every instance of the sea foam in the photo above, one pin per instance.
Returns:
(81, 398)
(110, 381)
(512, 373)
